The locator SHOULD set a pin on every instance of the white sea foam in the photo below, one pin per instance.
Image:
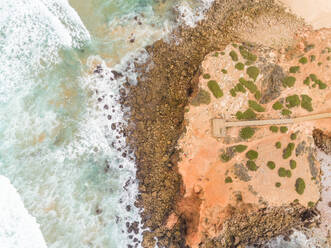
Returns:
(191, 15)
(18, 229)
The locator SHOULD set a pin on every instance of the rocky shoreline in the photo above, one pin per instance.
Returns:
(167, 82)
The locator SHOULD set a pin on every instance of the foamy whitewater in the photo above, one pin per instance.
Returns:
(60, 141)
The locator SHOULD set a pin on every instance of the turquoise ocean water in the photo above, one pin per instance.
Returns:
(60, 144)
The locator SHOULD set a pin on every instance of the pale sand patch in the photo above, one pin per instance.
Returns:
(315, 12)
(201, 166)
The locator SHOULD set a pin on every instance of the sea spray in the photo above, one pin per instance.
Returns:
(61, 121)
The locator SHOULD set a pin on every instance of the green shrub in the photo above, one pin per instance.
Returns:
(277, 106)
(300, 186)
(254, 105)
(311, 204)
(271, 165)
(233, 93)
(319, 63)
(246, 54)
(246, 132)
(248, 84)
(292, 101)
(225, 157)
(287, 152)
(223, 53)
(293, 136)
(278, 145)
(289, 81)
(233, 56)
(294, 69)
(293, 164)
(313, 77)
(235, 45)
(247, 115)
(215, 89)
(288, 173)
(228, 180)
(278, 184)
(239, 66)
(251, 165)
(215, 54)
(273, 129)
(203, 97)
(253, 72)
(306, 103)
(257, 95)
(312, 58)
(282, 172)
(283, 129)
(239, 88)
(224, 71)
(206, 76)
(307, 81)
(321, 85)
(240, 148)
(286, 112)
(303, 60)
(252, 155)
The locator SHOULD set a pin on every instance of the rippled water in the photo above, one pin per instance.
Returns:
(60, 144)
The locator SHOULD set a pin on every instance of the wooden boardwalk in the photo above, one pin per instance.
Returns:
(219, 125)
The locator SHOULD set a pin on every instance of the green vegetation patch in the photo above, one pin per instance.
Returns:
(216, 54)
(313, 77)
(228, 180)
(277, 106)
(309, 47)
(240, 148)
(233, 93)
(254, 105)
(294, 69)
(293, 136)
(251, 165)
(278, 145)
(306, 81)
(247, 55)
(258, 95)
(289, 81)
(206, 76)
(239, 66)
(303, 60)
(286, 112)
(312, 58)
(271, 165)
(239, 88)
(292, 101)
(293, 164)
(287, 152)
(273, 129)
(321, 85)
(283, 129)
(203, 97)
(233, 55)
(252, 154)
(248, 84)
(225, 157)
(253, 72)
(224, 71)
(306, 103)
(282, 172)
(246, 132)
(235, 45)
(278, 184)
(247, 115)
(300, 186)
(311, 204)
(215, 89)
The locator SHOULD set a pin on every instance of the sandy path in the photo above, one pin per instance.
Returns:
(315, 12)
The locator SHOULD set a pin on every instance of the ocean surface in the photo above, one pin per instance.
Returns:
(67, 178)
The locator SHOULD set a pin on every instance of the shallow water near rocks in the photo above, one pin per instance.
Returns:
(61, 145)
